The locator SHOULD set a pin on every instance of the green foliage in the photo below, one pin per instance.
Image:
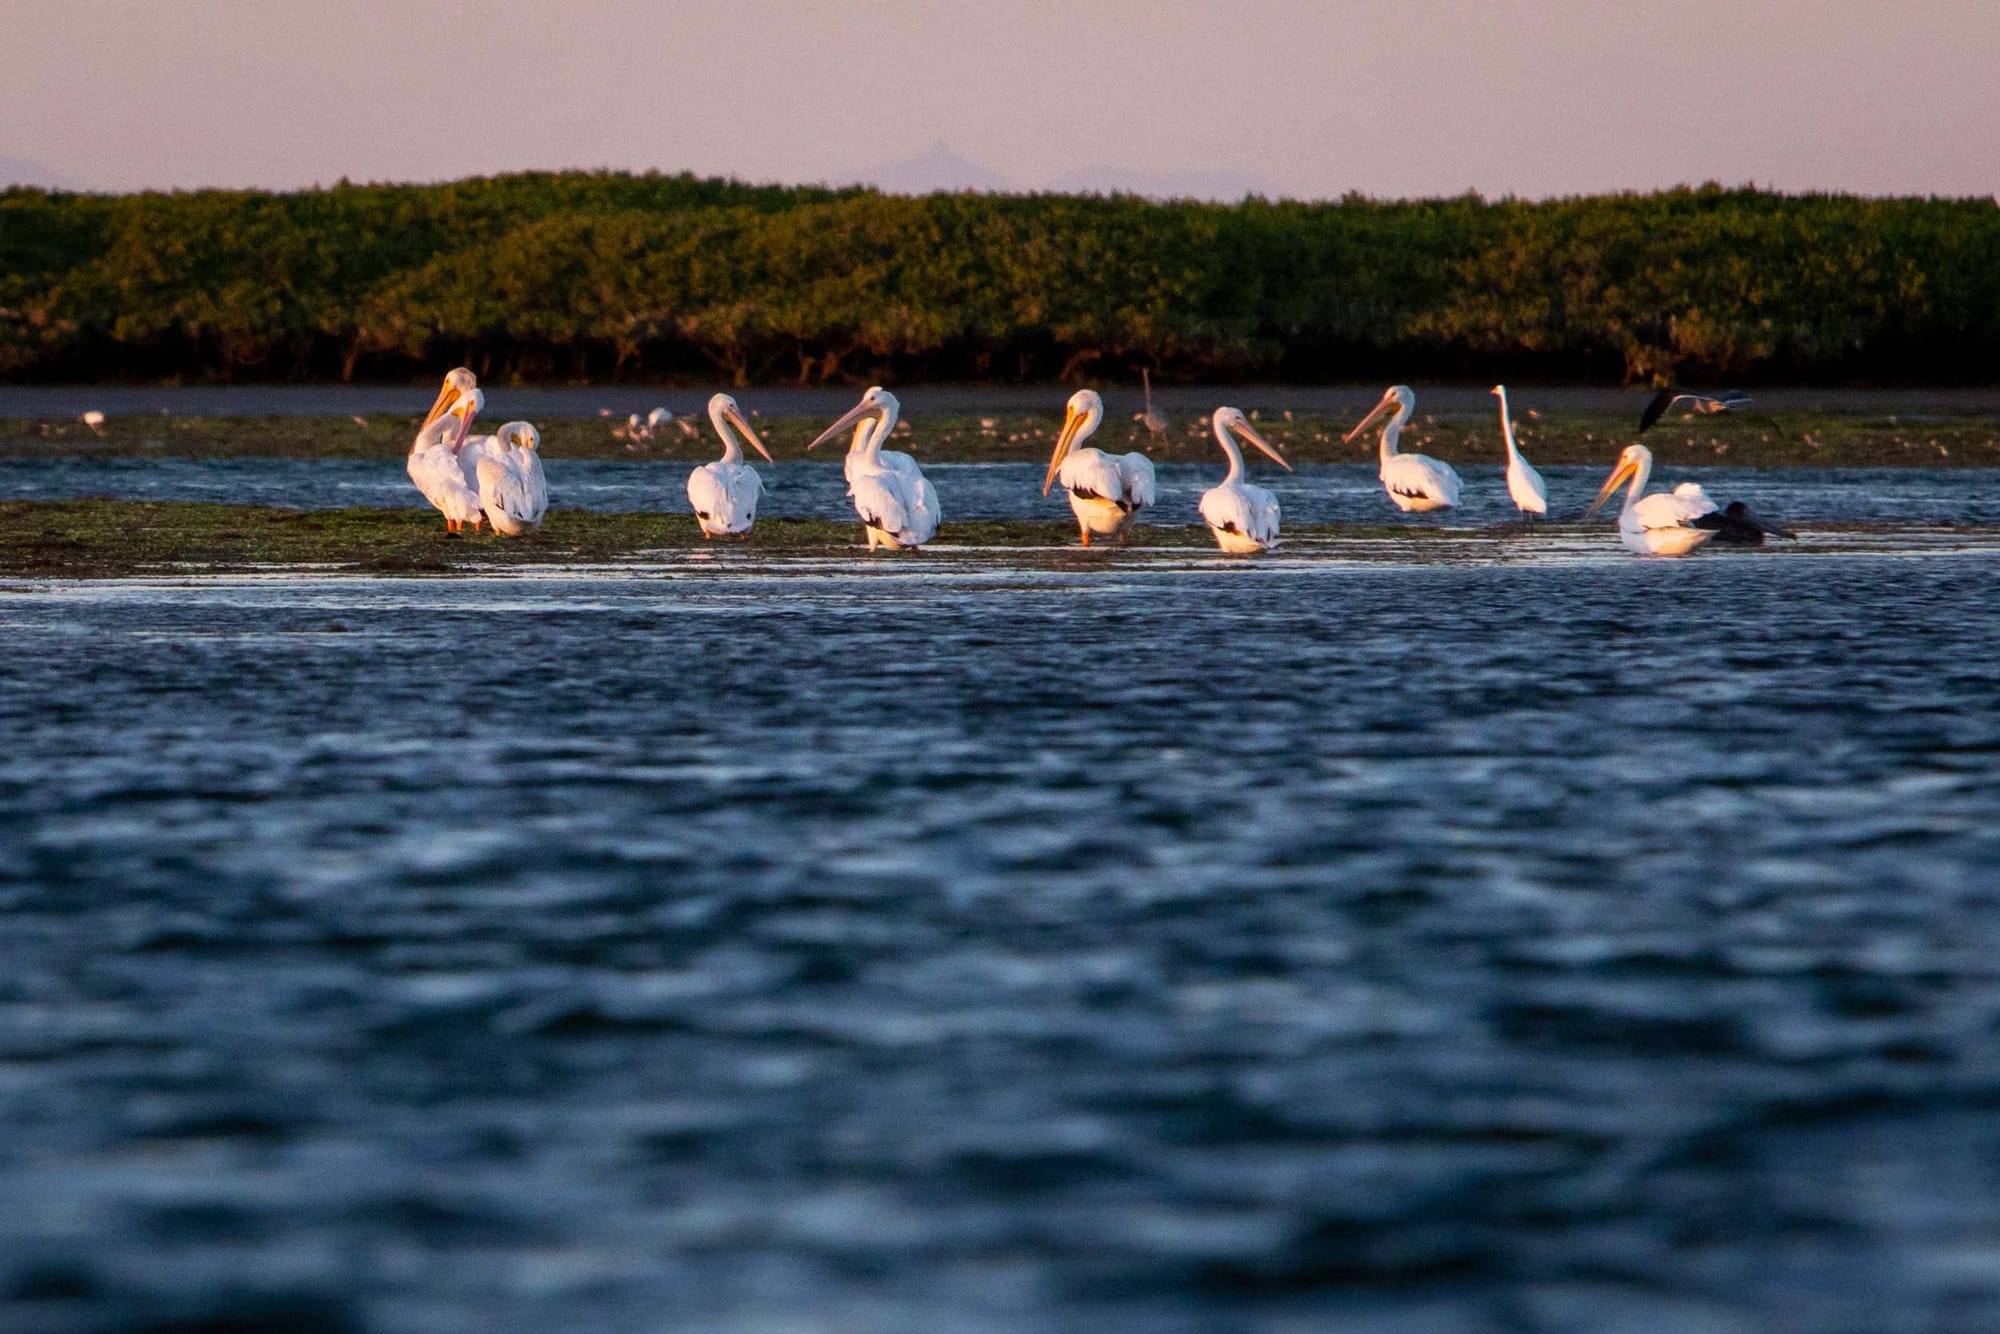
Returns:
(607, 275)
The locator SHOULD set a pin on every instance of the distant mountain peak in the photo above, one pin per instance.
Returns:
(936, 168)
(27, 171)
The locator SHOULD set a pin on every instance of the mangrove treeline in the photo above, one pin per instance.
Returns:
(600, 275)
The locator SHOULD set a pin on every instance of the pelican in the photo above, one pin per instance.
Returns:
(434, 463)
(512, 490)
(1735, 524)
(1155, 421)
(1106, 491)
(1670, 523)
(1524, 484)
(725, 493)
(1244, 518)
(896, 502)
(1416, 482)
(1730, 400)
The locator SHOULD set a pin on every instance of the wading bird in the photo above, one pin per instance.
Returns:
(1415, 482)
(1668, 523)
(725, 493)
(1106, 491)
(512, 490)
(1243, 517)
(434, 463)
(1155, 421)
(1729, 400)
(1735, 524)
(896, 502)
(1524, 485)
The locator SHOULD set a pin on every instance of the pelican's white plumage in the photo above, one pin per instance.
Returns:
(1415, 482)
(1106, 491)
(1525, 486)
(512, 490)
(897, 504)
(1243, 517)
(1664, 524)
(434, 463)
(725, 493)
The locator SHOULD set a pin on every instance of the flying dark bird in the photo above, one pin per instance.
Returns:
(1155, 420)
(1729, 400)
(1736, 524)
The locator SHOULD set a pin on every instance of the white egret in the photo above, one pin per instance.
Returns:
(1525, 486)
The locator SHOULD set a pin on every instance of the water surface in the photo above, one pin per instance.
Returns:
(1190, 945)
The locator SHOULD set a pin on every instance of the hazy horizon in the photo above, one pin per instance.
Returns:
(1417, 100)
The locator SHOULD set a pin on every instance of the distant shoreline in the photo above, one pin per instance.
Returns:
(1468, 399)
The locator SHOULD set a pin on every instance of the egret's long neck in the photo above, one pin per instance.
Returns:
(1222, 437)
(1507, 430)
(732, 452)
(1392, 430)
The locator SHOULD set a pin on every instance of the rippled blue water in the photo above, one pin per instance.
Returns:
(1316, 493)
(1188, 945)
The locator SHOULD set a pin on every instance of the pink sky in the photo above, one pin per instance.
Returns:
(1301, 99)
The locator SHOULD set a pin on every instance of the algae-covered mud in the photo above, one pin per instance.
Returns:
(85, 539)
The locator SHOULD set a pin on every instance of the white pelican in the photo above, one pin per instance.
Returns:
(1669, 523)
(434, 463)
(896, 502)
(1106, 491)
(1730, 400)
(1526, 487)
(512, 490)
(1415, 482)
(1244, 518)
(725, 493)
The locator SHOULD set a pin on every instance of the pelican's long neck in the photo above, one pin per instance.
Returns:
(1085, 429)
(1228, 443)
(435, 434)
(732, 451)
(1507, 430)
(1392, 431)
(1642, 473)
(868, 443)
